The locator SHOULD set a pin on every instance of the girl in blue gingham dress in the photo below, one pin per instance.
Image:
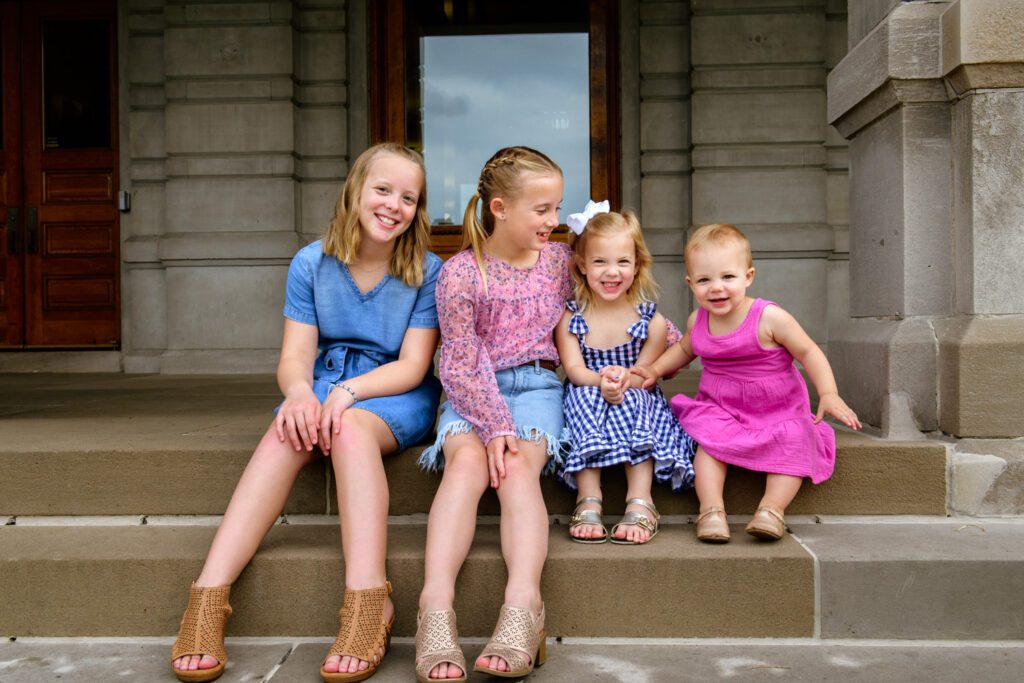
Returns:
(611, 421)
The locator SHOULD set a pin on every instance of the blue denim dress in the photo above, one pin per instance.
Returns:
(358, 332)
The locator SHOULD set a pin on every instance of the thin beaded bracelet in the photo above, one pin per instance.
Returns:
(350, 390)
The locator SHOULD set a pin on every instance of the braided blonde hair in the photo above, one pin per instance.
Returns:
(501, 176)
(644, 288)
(341, 239)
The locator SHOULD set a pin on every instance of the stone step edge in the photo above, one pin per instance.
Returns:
(420, 519)
(814, 641)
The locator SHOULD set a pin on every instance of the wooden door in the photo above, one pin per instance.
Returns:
(65, 233)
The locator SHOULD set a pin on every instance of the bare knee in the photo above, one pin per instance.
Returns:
(468, 467)
(525, 467)
(356, 437)
(275, 452)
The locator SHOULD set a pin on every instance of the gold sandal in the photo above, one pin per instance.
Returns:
(639, 519)
(580, 517)
(202, 631)
(519, 639)
(437, 642)
(362, 631)
(713, 526)
(768, 523)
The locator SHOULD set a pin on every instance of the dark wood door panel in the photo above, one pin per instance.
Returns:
(70, 165)
(12, 299)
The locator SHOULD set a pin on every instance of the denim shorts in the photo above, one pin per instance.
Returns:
(534, 397)
(409, 416)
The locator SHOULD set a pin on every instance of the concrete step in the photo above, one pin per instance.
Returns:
(120, 581)
(841, 578)
(569, 661)
(158, 445)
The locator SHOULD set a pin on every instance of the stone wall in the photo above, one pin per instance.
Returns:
(764, 158)
(238, 138)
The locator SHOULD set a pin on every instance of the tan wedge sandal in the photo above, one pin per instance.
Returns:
(519, 639)
(362, 632)
(437, 642)
(202, 632)
(639, 519)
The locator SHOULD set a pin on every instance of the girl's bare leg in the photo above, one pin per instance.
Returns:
(362, 508)
(524, 531)
(709, 480)
(451, 525)
(589, 483)
(255, 505)
(779, 491)
(639, 479)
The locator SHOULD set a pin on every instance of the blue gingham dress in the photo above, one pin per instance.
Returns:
(639, 428)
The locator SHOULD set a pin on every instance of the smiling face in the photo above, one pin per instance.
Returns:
(718, 275)
(389, 198)
(609, 264)
(528, 219)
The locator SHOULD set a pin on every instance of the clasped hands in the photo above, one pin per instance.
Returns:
(305, 422)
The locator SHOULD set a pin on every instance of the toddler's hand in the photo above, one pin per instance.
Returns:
(646, 374)
(836, 407)
(613, 382)
(297, 420)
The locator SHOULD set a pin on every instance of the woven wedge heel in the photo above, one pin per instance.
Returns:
(362, 632)
(202, 632)
(519, 639)
(437, 642)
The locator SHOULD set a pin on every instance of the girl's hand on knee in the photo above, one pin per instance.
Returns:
(496, 449)
(330, 417)
(833, 405)
(298, 419)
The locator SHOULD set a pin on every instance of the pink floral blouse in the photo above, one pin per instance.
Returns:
(510, 325)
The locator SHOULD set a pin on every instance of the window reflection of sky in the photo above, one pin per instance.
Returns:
(481, 93)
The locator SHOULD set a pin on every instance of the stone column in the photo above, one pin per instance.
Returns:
(761, 156)
(887, 97)
(929, 98)
(981, 349)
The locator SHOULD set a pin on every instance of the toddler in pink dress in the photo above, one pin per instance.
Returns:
(752, 409)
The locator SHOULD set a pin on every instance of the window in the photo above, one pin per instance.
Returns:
(457, 79)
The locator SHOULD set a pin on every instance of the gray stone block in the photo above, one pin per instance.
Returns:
(245, 314)
(763, 117)
(665, 49)
(664, 125)
(759, 196)
(228, 50)
(935, 581)
(758, 38)
(230, 205)
(666, 200)
(252, 127)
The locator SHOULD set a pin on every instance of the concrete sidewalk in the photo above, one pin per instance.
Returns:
(613, 661)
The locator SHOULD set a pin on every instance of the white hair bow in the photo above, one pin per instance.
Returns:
(578, 221)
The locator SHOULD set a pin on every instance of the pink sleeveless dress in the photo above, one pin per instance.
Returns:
(752, 409)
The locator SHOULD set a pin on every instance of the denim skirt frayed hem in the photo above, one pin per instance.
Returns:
(534, 397)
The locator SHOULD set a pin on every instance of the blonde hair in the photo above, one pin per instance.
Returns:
(501, 176)
(341, 239)
(719, 235)
(644, 288)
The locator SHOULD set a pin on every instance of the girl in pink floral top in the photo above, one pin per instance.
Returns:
(498, 304)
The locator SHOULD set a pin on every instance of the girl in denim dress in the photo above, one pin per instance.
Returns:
(498, 304)
(356, 373)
